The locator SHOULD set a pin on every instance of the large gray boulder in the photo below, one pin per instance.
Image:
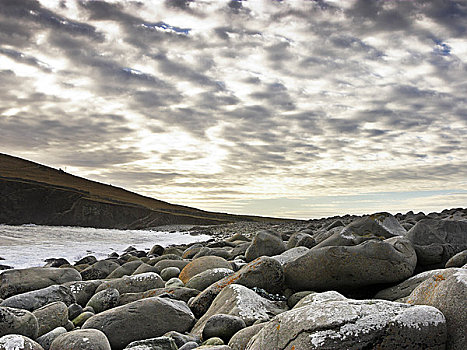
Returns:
(18, 342)
(301, 239)
(51, 316)
(237, 300)
(125, 270)
(83, 290)
(104, 300)
(16, 321)
(240, 339)
(290, 254)
(447, 291)
(436, 241)
(38, 298)
(350, 267)
(354, 324)
(458, 260)
(99, 270)
(142, 319)
(265, 273)
(17, 281)
(204, 279)
(159, 343)
(202, 264)
(134, 284)
(177, 293)
(222, 326)
(376, 226)
(265, 243)
(81, 339)
(46, 340)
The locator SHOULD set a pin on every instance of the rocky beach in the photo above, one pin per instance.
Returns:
(377, 281)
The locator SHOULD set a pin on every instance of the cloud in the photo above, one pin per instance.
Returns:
(212, 103)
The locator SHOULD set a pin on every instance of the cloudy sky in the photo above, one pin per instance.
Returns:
(284, 108)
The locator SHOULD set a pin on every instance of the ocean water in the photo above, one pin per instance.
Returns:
(29, 245)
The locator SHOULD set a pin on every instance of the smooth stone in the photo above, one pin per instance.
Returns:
(240, 301)
(125, 270)
(446, 291)
(213, 341)
(177, 293)
(37, 298)
(204, 279)
(181, 339)
(90, 259)
(159, 343)
(104, 300)
(174, 282)
(143, 268)
(163, 264)
(222, 326)
(46, 340)
(170, 272)
(134, 284)
(190, 252)
(99, 270)
(18, 281)
(18, 342)
(156, 249)
(51, 316)
(79, 320)
(301, 239)
(350, 267)
(265, 243)
(290, 254)
(142, 319)
(353, 324)
(265, 273)
(207, 251)
(296, 297)
(202, 264)
(83, 290)
(74, 310)
(16, 321)
(81, 339)
(56, 262)
(458, 260)
(189, 346)
(240, 339)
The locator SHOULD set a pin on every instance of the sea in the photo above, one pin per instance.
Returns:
(29, 245)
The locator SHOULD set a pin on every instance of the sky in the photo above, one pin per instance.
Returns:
(298, 109)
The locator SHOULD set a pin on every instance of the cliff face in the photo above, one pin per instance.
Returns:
(34, 193)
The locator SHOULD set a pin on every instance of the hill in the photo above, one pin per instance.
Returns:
(35, 193)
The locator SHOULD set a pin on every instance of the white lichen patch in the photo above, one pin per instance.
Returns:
(146, 276)
(419, 316)
(250, 305)
(461, 276)
(12, 342)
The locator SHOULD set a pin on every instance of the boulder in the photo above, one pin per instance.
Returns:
(350, 267)
(79, 320)
(142, 319)
(104, 300)
(16, 321)
(265, 273)
(89, 260)
(17, 281)
(174, 282)
(156, 249)
(74, 310)
(436, 241)
(143, 268)
(83, 290)
(38, 298)
(163, 264)
(204, 279)
(190, 252)
(99, 270)
(181, 339)
(447, 291)
(51, 316)
(81, 339)
(202, 264)
(240, 301)
(265, 243)
(222, 326)
(18, 342)
(290, 254)
(159, 343)
(240, 339)
(301, 239)
(353, 324)
(458, 260)
(125, 270)
(177, 293)
(170, 272)
(134, 284)
(46, 340)
(206, 251)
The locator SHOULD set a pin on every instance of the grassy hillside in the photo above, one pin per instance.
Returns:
(22, 176)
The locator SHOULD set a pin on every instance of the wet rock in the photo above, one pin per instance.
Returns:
(18, 342)
(240, 301)
(90, 259)
(81, 339)
(222, 326)
(99, 270)
(74, 310)
(265, 273)
(104, 300)
(350, 267)
(190, 252)
(202, 264)
(447, 291)
(142, 319)
(56, 262)
(265, 243)
(46, 340)
(51, 316)
(17, 281)
(79, 320)
(134, 284)
(15, 321)
(353, 324)
(38, 298)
